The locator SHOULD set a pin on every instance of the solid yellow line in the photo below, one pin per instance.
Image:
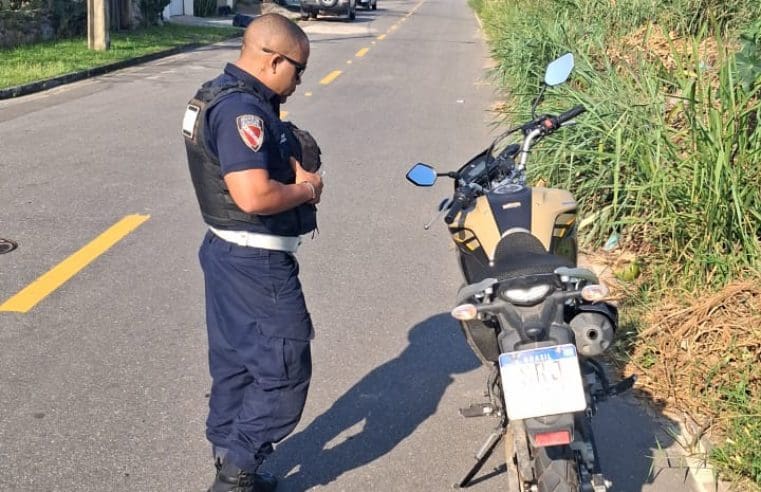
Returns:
(33, 293)
(362, 52)
(381, 37)
(330, 77)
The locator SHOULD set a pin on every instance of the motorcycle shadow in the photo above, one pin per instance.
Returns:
(637, 447)
(392, 400)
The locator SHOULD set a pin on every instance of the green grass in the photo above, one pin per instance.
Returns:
(666, 154)
(740, 454)
(41, 61)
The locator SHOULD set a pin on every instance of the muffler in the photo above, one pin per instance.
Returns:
(594, 333)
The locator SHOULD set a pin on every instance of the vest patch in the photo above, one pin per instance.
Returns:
(251, 130)
(189, 120)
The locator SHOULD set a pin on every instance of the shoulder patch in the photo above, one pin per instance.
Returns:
(251, 130)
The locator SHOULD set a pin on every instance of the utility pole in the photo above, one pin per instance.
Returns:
(98, 37)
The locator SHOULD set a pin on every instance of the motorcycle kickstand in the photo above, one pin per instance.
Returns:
(483, 454)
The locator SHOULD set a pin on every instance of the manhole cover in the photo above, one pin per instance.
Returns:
(6, 246)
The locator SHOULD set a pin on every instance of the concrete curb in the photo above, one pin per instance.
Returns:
(42, 85)
(702, 476)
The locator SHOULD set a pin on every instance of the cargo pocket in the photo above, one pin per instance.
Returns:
(288, 317)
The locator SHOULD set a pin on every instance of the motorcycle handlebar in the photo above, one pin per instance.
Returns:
(571, 114)
(457, 204)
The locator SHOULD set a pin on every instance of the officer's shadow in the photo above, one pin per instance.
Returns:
(391, 401)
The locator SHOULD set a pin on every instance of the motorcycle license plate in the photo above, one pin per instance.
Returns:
(542, 381)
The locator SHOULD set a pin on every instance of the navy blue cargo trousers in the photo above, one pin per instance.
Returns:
(259, 357)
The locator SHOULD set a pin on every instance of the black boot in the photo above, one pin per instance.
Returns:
(233, 479)
(230, 478)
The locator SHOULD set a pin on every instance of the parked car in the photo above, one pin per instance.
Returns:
(368, 4)
(310, 8)
(289, 3)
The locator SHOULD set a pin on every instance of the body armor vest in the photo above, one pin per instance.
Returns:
(217, 206)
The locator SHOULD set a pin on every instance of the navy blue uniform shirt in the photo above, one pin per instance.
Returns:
(245, 131)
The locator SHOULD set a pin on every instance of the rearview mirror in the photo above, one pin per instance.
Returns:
(422, 175)
(559, 70)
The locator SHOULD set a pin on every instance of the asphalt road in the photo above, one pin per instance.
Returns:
(103, 382)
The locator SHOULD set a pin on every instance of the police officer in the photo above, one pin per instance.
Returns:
(257, 200)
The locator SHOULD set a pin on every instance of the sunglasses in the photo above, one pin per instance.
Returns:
(300, 67)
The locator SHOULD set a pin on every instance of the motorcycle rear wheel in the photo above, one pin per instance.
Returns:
(556, 469)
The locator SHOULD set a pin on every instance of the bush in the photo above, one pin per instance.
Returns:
(205, 8)
(69, 17)
(151, 10)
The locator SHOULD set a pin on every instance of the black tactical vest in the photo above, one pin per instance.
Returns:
(217, 206)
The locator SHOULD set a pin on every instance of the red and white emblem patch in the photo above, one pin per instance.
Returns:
(251, 130)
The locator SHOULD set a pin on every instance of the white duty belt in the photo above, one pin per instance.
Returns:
(257, 240)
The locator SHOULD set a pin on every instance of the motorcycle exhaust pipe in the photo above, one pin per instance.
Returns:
(594, 333)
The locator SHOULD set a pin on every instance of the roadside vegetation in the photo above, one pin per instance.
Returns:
(40, 61)
(667, 168)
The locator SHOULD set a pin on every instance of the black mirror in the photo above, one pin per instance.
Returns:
(422, 175)
(559, 70)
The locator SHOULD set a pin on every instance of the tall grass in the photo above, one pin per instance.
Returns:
(670, 151)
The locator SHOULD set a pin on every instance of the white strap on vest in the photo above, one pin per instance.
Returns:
(257, 240)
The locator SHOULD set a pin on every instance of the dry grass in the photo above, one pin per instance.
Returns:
(652, 44)
(697, 348)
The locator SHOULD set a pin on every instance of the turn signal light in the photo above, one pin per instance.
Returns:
(464, 312)
(594, 293)
(556, 438)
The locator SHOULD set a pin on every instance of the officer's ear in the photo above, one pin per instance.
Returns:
(274, 60)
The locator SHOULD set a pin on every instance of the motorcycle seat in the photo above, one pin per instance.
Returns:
(517, 255)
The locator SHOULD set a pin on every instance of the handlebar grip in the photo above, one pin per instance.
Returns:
(571, 114)
(457, 205)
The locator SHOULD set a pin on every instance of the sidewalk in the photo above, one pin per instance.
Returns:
(190, 20)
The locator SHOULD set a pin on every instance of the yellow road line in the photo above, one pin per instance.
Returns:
(330, 77)
(362, 52)
(381, 37)
(33, 293)
(283, 114)
(308, 94)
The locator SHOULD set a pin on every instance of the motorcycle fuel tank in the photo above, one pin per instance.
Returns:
(548, 214)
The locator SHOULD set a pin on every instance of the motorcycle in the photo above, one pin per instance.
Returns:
(527, 311)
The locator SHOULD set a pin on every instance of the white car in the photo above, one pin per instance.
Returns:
(310, 8)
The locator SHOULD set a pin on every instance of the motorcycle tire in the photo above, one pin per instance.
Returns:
(556, 469)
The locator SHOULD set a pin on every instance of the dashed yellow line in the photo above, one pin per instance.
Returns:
(330, 77)
(35, 292)
(283, 114)
(381, 37)
(362, 52)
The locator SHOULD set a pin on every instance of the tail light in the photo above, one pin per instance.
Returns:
(553, 438)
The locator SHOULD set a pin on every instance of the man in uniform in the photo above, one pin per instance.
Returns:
(257, 200)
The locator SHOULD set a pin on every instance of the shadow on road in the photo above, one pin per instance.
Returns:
(396, 397)
(392, 400)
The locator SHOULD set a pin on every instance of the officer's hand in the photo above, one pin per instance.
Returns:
(312, 178)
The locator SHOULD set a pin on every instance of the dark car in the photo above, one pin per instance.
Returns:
(368, 4)
(310, 8)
